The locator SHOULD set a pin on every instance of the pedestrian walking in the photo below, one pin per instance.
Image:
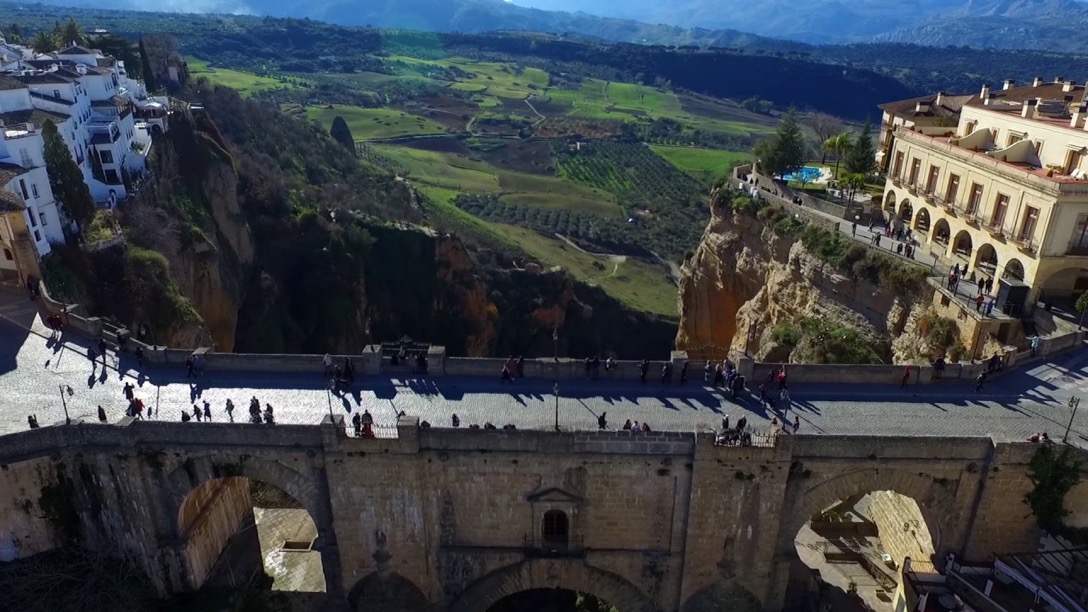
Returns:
(521, 367)
(742, 423)
(979, 299)
(140, 356)
(796, 423)
(854, 229)
(906, 377)
(708, 372)
(1034, 345)
(189, 373)
(683, 372)
(197, 413)
(979, 380)
(326, 361)
(102, 348)
(230, 410)
(129, 391)
(602, 422)
(643, 369)
(456, 420)
(357, 425)
(666, 373)
(101, 414)
(207, 411)
(92, 356)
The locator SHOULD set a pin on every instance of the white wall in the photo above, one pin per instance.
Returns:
(1057, 138)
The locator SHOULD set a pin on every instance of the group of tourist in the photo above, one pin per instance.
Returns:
(635, 427)
(456, 422)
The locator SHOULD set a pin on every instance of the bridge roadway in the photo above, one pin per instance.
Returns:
(33, 367)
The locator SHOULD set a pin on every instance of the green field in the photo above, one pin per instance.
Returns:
(443, 170)
(703, 164)
(366, 123)
(553, 192)
(639, 285)
(246, 83)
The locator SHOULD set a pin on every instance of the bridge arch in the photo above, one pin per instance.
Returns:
(935, 500)
(384, 590)
(276, 510)
(571, 574)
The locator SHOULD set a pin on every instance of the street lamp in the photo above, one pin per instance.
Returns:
(555, 379)
(64, 401)
(328, 395)
(1074, 403)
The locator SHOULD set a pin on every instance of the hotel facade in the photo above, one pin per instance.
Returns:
(995, 181)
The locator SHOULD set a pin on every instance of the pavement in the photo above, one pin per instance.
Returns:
(36, 369)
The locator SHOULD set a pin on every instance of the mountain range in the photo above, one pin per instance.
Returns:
(1049, 25)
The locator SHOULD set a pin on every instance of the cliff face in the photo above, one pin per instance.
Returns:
(744, 280)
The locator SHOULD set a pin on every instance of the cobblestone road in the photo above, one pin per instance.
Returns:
(34, 368)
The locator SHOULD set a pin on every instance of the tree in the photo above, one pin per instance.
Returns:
(838, 145)
(825, 126)
(341, 133)
(145, 67)
(784, 153)
(65, 177)
(70, 34)
(15, 33)
(43, 43)
(861, 158)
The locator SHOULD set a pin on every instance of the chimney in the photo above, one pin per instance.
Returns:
(1037, 82)
(940, 97)
(1069, 85)
(921, 107)
(989, 99)
(1059, 79)
(1029, 108)
(985, 91)
(1078, 116)
(1009, 83)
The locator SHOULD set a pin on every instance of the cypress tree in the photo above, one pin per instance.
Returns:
(145, 66)
(861, 159)
(65, 177)
(342, 134)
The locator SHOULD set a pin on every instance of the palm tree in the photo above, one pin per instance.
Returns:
(70, 34)
(43, 43)
(838, 145)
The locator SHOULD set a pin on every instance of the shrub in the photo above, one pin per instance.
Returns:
(956, 351)
(786, 335)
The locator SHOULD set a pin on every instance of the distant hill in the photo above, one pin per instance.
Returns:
(1054, 25)
(1049, 25)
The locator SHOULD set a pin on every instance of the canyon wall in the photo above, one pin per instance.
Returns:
(745, 278)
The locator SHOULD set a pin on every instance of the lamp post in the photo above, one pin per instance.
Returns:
(328, 395)
(1074, 403)
(64, 402)
(555, 379)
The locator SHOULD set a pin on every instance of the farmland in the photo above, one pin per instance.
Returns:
(556, 166)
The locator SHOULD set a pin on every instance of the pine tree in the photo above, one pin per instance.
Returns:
(65, 177)
(861, 159)
(785, 152)
(145, 66)
(341, 133)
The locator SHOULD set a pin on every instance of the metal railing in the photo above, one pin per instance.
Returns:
(995, 227)
(1024, 243)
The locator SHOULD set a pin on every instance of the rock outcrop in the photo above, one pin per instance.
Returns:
(745, 279)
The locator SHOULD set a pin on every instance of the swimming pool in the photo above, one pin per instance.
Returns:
(808, 173)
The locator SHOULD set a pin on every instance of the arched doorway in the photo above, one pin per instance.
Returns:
(555, 530)
(921, 220)
(889, 202)
(1014, 270)
(242, 532)
(962, 245)
(573, 575)
(986, 260)
(941, 232)
(551, 600)
(906, 211)
(385, 590)
(1062, 288)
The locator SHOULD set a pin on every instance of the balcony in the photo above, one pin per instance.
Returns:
(949, 206)
(971, 217)
(1025, 243)
(931, 198)
(897, 180)
(912, 188)
(994, 227)
(537, 547)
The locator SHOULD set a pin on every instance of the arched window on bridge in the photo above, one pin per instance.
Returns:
(555, 530)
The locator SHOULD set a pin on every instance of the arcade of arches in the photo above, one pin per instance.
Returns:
(967, 243)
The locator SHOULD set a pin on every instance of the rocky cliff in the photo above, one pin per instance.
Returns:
(750, 286)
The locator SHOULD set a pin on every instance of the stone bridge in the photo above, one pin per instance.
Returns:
(452, 519)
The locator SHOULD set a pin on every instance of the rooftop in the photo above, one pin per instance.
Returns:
(34, 115)
(8, 172)
(950, 105)
(76, 50)
(8, 83)
(10, 202)
(42, 78)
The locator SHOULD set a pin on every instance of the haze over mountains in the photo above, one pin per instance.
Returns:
(1053, 25)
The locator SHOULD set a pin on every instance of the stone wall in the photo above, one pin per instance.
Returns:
(209, 517)
(24, 528)
(903, 532)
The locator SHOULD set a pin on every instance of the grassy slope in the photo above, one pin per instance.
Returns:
(444, 170)
(375, 122)
(639, 285)
(246, 83)
(703, 164)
